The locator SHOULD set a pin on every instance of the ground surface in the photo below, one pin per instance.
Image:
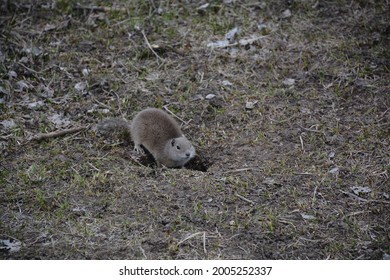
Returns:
(292, 139)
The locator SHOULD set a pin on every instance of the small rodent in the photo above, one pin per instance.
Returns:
(159, 133)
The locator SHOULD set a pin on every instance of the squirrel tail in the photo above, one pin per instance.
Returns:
(110, 126)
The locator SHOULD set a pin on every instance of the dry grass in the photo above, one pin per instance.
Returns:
(280, 177)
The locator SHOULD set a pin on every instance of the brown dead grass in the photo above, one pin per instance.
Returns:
(280, 177)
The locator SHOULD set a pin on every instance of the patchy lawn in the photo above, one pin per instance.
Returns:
(289, 114)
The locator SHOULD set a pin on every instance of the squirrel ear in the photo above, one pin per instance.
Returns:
(173, 142)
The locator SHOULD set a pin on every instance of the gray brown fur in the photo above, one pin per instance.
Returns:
(159, 133)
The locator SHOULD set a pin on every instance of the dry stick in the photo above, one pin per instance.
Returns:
(300, 138)
(100, 9)
(314, 196)
(204, 242)
(363, 199)
(143, 252)
(93, 166)
(41, 136)
(355, 196)
(238, 170)
(243, 198)
(173, 114)
(189, 237)
(150, 47)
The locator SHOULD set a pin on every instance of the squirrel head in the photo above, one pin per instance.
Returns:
(180, 150)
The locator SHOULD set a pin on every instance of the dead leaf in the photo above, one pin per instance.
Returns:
(8, 124)
(289, 82)
(49, 27)
(85, 72)
(203, 7)
(270, 181)
(46, 91)
(360, 190)
(59, 120)
(226, 83)
(249, 41)
(308, 217)
(219, 44)
(12, 74)
(250, 104)
(231, 34)
(334, 170)
(210, 96)
(36, 104)
(35, 51)
(10, 245)
(21, 86)
(286, 13)
(80, 86)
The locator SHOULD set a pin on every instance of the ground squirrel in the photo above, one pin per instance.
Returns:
(157, 132)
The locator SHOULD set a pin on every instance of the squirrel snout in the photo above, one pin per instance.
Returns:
(188, 154)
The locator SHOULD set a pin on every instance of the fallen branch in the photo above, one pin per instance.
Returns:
(58, 133)
(244, 198)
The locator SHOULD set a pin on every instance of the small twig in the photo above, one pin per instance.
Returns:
(287, 222)
(314, 195)
(58, 133)
(239, 170)
(246, 252)
(311, 130)
(93, 166)
(173, 114)
(143, 252)
(243, 198)
(75, 170)
(365, 200)
(204, 242)
(311, 240)
(189, 237)
(357, 213)
(122, 21)
(150, 47)
(300, 138)
(100, 9)
(234, 236)
(100, 103)
(384, 113)
(355, 196)
(32, 70)
(360, 257)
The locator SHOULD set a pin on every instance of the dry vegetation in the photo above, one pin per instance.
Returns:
(293, 139)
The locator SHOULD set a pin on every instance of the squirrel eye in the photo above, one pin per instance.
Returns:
(178, 147)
